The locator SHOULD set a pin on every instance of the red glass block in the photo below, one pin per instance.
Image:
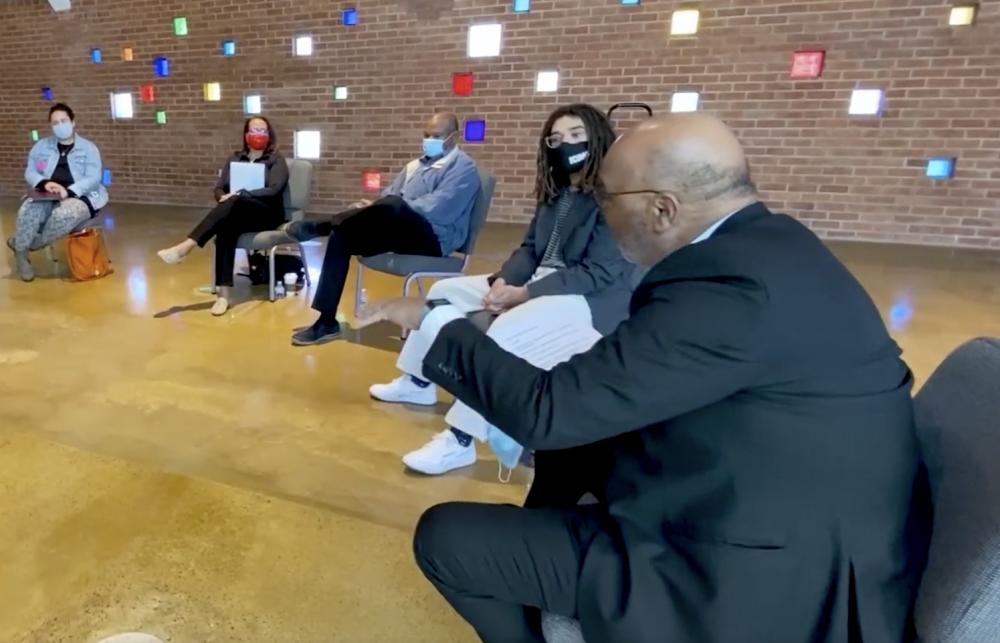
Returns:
(461, 84)
(147, 93)
(808, 65)
(371, 181)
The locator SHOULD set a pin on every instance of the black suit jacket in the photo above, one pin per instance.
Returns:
(594, 268)
(763, 469)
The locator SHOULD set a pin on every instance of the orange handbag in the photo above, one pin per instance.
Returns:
(87, 256)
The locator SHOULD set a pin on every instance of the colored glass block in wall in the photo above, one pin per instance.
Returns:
(340, 93)
(302, 45)
(371, 181)
(47, 94)
(522, 6)
(121, 105)
(866, 102)
(228, 47)
(34, 135)
(963, 15)
(941, 168)
(180, 26)
(161, 67)
(212, 92)
(161, 118)
(461, 84)
(147, 93)
(106, 177)
(475, 131)
(484, 40)
(807, 65)
(547, 81)
(684, 22)
(96, 56)
(684, 102)
(252, 104)
(307, 144)
(630, 3)
(350, 17)
(128, 54)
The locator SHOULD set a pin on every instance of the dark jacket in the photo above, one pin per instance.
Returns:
(276, 178)
(763, 467)
(595, 267)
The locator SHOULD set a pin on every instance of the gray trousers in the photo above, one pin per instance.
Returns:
(39, 223)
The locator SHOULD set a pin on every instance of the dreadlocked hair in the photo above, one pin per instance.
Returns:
(551, 178)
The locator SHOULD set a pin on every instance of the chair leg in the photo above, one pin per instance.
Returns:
(51, 254)
(305, 264)
(270, 274)
(359, 286)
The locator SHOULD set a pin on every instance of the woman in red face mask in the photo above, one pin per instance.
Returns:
(248, 205)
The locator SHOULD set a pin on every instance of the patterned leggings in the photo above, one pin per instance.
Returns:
(39, 223)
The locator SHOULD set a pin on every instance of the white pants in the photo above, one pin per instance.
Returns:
(559, 317)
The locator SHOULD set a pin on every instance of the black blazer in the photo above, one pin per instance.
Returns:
(763, 469)
(594, 268)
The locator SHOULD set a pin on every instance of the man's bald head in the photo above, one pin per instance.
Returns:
(689, 170)
(442, 124)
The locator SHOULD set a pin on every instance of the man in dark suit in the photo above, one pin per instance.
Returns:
(762, 482)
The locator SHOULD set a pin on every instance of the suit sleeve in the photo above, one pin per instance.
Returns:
(691, 345)
(522, 263)
(601, 266)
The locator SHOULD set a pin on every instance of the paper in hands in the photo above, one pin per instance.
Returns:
(246, 176)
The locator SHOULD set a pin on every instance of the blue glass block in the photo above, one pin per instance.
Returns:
(228, 47)
(106, 177)
(629, 3)
(47, 93)
(475, 131)
(521, 6)
(161, 67)
(96, 55)
(350, 17)
(941, 168)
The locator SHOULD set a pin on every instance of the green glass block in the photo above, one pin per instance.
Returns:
(161, 118)
(34, 135)
(180, 26)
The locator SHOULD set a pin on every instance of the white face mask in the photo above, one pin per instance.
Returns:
(63, 130)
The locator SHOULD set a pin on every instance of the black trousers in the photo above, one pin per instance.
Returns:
(499, 566)
(226, 222)
(387, 225)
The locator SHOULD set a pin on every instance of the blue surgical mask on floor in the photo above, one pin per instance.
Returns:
(507, 450)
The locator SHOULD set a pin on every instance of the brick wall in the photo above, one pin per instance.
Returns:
(848, 178)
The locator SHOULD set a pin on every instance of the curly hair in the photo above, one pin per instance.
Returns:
(551, 177)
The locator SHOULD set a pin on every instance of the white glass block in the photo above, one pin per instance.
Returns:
(547, 81)
(484, 40)
(684, 102)
(340, 93)
(307, 144)
(302, 46)
(866, 102)
(121, 105)
(252, 104)
(684, 22)
(962, 15)
(212, 92)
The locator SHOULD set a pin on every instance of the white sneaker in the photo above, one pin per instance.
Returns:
(441, 455)
(403, 390)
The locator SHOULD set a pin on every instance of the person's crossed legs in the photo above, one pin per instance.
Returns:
(500, 566)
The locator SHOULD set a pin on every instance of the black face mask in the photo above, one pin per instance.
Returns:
(573, 156)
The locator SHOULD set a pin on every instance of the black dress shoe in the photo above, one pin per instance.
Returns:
(302, 230)
(319, 333)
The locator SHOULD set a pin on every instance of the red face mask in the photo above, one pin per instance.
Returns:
(257, 141)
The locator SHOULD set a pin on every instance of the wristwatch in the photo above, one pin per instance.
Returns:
(431, 304)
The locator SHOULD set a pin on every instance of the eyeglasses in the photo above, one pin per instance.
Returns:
(258, 130)
(554, 141)
(601, 195)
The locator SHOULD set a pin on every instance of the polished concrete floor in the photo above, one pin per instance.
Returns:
(199, 479)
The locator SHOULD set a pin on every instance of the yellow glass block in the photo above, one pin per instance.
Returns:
(684, 22)
(962, 15)
(128, 55)
(213, 92)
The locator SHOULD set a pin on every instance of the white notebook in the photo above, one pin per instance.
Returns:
(246, 176)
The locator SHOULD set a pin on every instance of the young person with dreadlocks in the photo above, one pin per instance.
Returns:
(568, 267)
